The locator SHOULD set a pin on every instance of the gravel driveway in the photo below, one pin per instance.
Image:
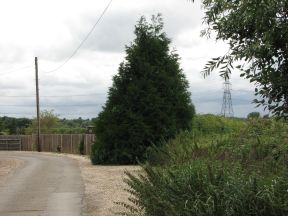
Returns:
(104, 186)
(42, 185)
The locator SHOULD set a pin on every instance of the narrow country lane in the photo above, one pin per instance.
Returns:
(46, 185)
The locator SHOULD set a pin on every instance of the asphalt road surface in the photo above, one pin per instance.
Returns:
(46, 185)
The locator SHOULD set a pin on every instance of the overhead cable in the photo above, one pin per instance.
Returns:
(31, 96)
(16, 70)
(83, 41)
(69, 114)
(58, 105)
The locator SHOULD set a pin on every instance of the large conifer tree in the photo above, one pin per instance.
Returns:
(148, 101)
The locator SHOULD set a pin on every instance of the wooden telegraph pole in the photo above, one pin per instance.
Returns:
(37, 105)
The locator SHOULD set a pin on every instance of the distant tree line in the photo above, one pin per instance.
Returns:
(50, 123)
(10, 125)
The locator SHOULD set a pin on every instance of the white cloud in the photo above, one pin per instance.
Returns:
(53, 29)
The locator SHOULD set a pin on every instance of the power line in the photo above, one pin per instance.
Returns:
(15, 105)
(15, 70)
(83, 41)
(58, 105)
(73, 105)
(46, 96)
(1, 113)
(16, 96)
(84, 95)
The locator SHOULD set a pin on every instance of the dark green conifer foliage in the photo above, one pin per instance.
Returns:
(148, 101)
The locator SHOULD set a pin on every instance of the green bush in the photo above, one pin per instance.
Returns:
(253, 115)
(209, 124)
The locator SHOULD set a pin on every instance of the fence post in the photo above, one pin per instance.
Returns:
(85, 144)
(52, 148)
(71, 144)
(61, 141)
(20, 143)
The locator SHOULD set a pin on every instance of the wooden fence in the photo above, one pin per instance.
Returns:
(68, 143)
(10, 144)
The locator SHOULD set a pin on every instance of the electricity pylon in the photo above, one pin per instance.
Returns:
(227, 108)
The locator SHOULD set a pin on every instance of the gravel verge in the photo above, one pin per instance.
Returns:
(104, 186)
(7, 168)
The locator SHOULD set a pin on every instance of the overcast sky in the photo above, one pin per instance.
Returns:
(52, 30)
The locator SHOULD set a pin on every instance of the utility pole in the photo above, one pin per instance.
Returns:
(227, 108)
(37, 105)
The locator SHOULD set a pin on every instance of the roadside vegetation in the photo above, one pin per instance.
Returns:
(223, 166)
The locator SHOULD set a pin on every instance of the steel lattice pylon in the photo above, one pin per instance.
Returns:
(227, 108)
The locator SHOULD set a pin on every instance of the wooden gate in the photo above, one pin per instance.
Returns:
(10, 144)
